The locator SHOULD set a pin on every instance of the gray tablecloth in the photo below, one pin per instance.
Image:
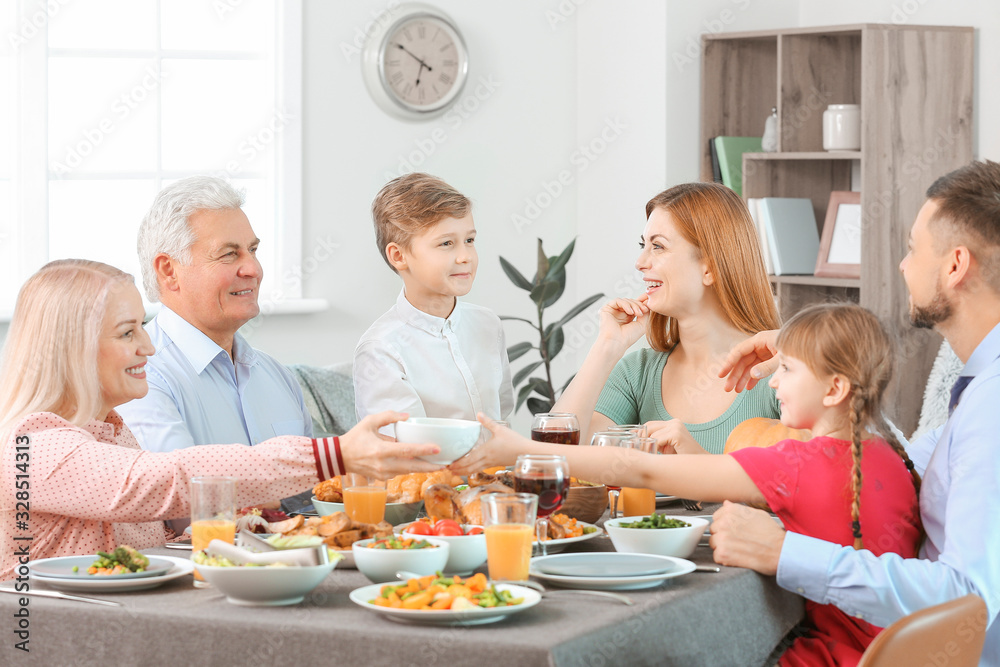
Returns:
(735, 617)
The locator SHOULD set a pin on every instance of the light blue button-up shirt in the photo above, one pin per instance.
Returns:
(199, 396)
(960, 509)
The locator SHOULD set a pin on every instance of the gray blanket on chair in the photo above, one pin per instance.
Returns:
(329, 396)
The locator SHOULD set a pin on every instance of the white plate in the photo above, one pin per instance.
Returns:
(555, 546)
(181, 567)
(62, 568)
(678, 567)
(363, 596)
(664, 499)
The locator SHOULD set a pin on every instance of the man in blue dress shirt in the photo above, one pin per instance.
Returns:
(207, 385)
(952, 271)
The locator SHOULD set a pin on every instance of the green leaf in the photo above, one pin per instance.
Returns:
(539, 405)
(515, 275)
(525, 372)
(579, 308)
(543, 294)
(533, 384)
(522, 396)
(559, 263)
(517, 350)
(554, 342)
(561, 281)
(543, 266)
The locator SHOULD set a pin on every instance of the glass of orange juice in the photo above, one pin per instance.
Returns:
(509, 520)
(640, 502)
(364, 498)
(213, 514)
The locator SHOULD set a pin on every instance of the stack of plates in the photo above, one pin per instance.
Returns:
(58, 573)
(608, 571)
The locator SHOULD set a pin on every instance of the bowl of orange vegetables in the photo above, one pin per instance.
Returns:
(381, 559)
(434, 599)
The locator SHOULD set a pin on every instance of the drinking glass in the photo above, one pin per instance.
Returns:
(638, 430)
(560, 428)
(547, 477)
(639, 502)
(509, 522)
(364, 498)
(213, 515)
(612, 439)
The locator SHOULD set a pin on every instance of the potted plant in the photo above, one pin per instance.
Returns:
(544, 289)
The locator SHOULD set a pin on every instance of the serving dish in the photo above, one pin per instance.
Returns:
(383, 564)
(455, 437)
(363, 596)
(677, 542)
(266, 586)
(395, 513)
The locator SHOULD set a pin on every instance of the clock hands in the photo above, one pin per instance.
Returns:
(423, 65)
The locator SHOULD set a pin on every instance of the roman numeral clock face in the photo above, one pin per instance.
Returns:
(421, 63)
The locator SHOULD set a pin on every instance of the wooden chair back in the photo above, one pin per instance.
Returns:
(951, 633)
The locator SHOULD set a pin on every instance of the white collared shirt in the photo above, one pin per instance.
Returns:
(199, 396)
(430, 366)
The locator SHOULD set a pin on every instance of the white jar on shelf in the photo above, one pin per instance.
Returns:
(842, 127)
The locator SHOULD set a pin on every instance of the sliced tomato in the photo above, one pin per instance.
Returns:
(475, 530)
(419, 528)
(447, 524)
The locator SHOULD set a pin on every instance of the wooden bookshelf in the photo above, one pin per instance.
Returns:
(915, 88)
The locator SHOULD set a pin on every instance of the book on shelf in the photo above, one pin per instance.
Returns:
(753, 204)
(792, 236)
(716, 169)
(730, 151)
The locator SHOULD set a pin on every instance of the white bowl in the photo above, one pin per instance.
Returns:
(676, 542)
(395, 513)
(455, 437)
(467, 552)
(381, 565)
(266, 586)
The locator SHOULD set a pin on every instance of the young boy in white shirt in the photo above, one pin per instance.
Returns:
(431, 355)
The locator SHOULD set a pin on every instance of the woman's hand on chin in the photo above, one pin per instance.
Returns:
(496, 451)
(672, 437)
(369, 453)
(623, 321)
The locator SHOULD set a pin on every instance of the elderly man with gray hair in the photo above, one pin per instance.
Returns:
(207, 385)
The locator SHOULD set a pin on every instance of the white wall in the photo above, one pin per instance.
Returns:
(595, 112)
(622, 77)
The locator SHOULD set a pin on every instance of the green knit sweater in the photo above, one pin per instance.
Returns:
(632, 396)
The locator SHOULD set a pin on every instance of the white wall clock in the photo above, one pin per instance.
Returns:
(416, 63)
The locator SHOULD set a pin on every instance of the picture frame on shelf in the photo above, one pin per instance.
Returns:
(840, 246)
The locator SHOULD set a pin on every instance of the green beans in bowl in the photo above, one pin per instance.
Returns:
(656, 534)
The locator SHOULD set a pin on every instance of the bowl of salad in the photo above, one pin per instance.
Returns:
(658, 534)
(380, 559)
(466, 543)
(261, 585)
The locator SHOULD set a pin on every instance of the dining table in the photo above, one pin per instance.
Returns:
(731, 617)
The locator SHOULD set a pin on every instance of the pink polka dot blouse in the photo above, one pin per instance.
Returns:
(92, 488)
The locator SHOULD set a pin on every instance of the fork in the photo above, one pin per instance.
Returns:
(691, 505)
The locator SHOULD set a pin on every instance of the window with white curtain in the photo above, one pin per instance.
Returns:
(107, 101)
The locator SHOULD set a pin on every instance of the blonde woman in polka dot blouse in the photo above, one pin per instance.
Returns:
(73, 478)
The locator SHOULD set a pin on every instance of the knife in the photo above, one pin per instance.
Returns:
(61, 596)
